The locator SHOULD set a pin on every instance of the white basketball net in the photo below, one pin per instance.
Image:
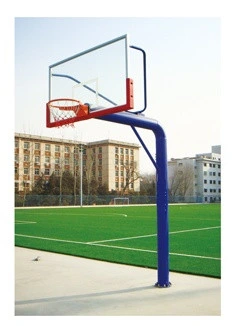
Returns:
(64, 109)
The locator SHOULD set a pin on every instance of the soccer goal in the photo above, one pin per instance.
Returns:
(121, 201)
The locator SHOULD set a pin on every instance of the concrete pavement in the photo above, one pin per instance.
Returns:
(61, 285)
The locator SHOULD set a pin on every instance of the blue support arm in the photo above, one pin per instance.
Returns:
(141, 121)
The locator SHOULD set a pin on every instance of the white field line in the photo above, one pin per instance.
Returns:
(152, 235)
(48, 239)
(118, 247)
(120, 239)
(24, 222)
(76, 214)
(194, 256)
(192, 230)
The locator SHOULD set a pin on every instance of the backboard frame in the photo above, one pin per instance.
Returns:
(96, 111)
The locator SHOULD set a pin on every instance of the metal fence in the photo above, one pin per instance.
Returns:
(70, 200)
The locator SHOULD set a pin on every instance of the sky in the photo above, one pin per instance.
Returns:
(183, 77)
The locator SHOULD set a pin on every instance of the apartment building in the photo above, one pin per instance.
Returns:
(196, 179)
(118, 164)
(110, 162)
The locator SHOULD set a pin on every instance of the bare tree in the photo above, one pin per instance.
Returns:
(131, 175)
(89, 175)
(148, 184)
(181, 180)
(174, 182)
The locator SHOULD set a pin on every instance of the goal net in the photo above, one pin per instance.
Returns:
(121, 201)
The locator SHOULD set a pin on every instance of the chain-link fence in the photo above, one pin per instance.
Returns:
(70, 200)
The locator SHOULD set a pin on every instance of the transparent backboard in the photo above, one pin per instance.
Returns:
(100, 78)
(96, 76)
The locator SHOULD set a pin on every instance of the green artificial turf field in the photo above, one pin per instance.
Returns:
(126, 234)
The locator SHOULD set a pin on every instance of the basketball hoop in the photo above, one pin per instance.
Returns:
(64, 111)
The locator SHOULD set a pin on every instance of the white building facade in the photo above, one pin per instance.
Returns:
(196, 179)
(109, 162)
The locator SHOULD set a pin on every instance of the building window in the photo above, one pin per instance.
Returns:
(67, 149)
(16, 158)
(205, 164)
(47, 171)
(121, 150)
(16, 143)
(126, 151)
(205, 173)
(100, 149)
(47, 147)
(131, 152)
(66, 161)
(26, 171)
(116, 161)
(26, 158)
(26, 145)
(205, 181)
(16, 170)
(47, 159)
(57, 160)
(205, 190)
(37, 146)
(205, 198)
(36, 171)
(100, 161)
(116, 185)
(116, 150)
(57, 148)
(26, 185)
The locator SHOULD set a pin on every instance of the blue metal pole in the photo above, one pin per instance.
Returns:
(141, 121)
(162, 213)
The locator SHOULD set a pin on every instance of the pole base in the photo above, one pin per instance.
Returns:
(162, 286)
